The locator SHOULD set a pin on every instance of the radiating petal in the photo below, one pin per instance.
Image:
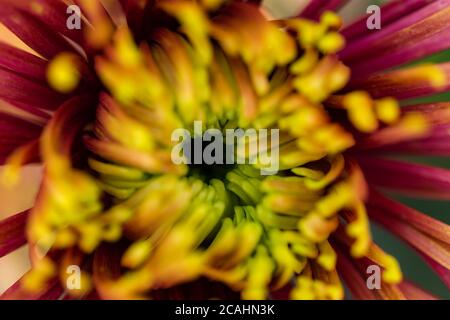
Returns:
(434, 249)
(412, 292)
(51, 291)
(390, 13)
(12, 233)
(22, 62)
(406, 177)
(408, 83)
(399, 33)
(52, 13)
(17, 88)
(442, 272)
(418, 220)
(403, 54)
(352, 278)
(316, 7)
(41, 38)
(15, 132)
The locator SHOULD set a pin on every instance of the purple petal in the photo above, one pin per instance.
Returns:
(316, 7)
(389, 36)
(390, 13)
(20, 89)
(12, 233)
(406, 177)
(33, 32)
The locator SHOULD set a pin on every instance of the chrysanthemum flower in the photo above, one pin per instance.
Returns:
(97, 107)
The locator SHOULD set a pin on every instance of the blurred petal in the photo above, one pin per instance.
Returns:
(434, 249)
(406, 177)
(12, 233)
(408, 83)
(398, 33)
(15, 132)
(412, 292)
(315, 8)
(390, 13)
(44, 40)
(418, 220)
(51, 291)
(19, 89)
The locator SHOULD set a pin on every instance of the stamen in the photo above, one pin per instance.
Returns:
(63, 74)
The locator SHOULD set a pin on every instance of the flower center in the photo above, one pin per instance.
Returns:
(208, 161)
(227, 222)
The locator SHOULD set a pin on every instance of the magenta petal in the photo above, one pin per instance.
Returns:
(436, 113)
(135, 14)
(20, 89)
(377, 42)
(392, 140)
(436, 144)
(434, 249)
(52, 291)
(352, 277)
(39, 116)
(402, 84)
(22, 62)
(12, 233)
(52, 13)
(441, 271)
(67, 122)
(12, 126)
(406, 53)
(406, 177)
(418, 220)
(15, 132)
(33, 32)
